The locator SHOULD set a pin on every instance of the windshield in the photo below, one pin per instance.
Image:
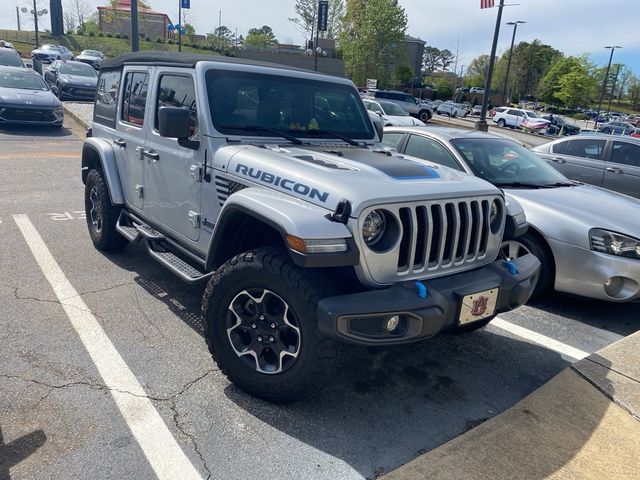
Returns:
(80, 69)
(48, 47)
(91, 53)
(10, 59)
(24, 80)
(291, 105)
(531, 114)
(393, 109)
(502, 161)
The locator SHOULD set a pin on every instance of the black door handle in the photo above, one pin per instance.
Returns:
(120, 142)
(614, 170)
(155, 156)
(558, 160)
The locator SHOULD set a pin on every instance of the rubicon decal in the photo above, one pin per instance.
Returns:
(283, 183)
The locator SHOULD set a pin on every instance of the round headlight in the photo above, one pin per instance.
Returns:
(373, 227)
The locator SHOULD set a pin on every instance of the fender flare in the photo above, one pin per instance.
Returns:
(100, 148)
(287, 216)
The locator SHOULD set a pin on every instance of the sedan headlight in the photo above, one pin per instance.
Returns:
(614, 243)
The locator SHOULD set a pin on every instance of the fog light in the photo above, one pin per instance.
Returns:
(393, 323)
(613, 286)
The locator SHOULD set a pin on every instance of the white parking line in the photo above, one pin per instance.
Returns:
(535, 337)
(160, 448)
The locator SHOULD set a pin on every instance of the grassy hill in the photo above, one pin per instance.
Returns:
(25, 42)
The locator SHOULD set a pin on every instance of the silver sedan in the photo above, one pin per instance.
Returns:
(587, 238)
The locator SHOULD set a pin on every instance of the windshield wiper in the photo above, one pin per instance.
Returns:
(521, 185)
(314, 131)
(260, 128)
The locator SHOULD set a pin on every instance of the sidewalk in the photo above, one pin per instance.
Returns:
(583, 424)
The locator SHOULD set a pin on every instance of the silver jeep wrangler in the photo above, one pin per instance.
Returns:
(270, 185)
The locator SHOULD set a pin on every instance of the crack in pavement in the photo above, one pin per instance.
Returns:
(192, 438)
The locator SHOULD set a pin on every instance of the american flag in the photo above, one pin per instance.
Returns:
(486, 3)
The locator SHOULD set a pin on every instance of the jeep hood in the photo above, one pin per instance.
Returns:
(326, 174)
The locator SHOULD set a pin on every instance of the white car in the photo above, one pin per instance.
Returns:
(476, 90)
(520, 118)
(392, 114)
(452, 109)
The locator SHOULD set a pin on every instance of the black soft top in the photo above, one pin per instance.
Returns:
(182, 59)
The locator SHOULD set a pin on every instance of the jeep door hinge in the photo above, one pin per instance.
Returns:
(196, 173)
(194, 218)
(140, 191)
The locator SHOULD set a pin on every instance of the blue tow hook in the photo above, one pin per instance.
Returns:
(511, 266)
(422, 290)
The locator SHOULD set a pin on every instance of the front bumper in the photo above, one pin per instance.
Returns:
(71, 92)
(359, 318)
(30, 116)
(584, 272)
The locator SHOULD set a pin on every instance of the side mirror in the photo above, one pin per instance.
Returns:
(55, 90)
(175, 122)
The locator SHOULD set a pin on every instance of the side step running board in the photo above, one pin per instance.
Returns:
(179, 267)
(127, 231)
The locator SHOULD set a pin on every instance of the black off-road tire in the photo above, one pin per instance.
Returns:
(270, 268)
(106, 237)
(424, 116)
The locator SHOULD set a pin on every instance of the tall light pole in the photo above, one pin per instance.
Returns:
(604, 82)
(36, 13)
(506, 76)
(613, 88)
(481, 124)
(135, 38)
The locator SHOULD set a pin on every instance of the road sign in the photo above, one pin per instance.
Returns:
(323, 15)
(186, 3)
(372, 83)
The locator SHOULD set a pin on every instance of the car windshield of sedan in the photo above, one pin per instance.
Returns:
(10, 59)
(49, 47)
(506, 163)
(22, 80)
(263, 105)
(91, 53)
(393, 109)
(531, 114)
(79, 69)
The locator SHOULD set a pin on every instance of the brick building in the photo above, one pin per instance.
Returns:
(151, 23)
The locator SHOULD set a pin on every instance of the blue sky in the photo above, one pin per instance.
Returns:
(572, 26)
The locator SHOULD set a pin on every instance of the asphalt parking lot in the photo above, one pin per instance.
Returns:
(61, 405)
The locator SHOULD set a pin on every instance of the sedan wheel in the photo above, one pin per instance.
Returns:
(513, 249)
(526, 244)
(501, 123)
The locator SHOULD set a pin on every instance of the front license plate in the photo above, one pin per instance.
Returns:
(478, 306)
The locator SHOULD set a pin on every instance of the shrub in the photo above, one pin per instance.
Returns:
(580, 116)
(109, 35)
(159, 40)
(117, 35)
(147, 39)
(92, 34)
(125, 36)
(171, 42)
(101, 34)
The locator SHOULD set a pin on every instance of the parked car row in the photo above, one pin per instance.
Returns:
(414, 107)
(586, 238)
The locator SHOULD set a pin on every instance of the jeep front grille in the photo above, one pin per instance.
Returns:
(438, 235)
(435, 238)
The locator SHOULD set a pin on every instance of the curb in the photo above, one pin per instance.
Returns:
(584, 423)
(75, 116)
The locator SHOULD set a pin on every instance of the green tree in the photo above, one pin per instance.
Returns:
(261, 38)
(306, 19)
(576, 87)
(444, 89)
(549, 84)
(477, 71)
(370, 38)
(530, 63)
(221, 38)
(402, 75)
(430, 59)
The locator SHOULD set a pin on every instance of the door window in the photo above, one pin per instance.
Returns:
(106, 105)
(560, 148)
(392, 140)
(428, 149)
(134, 99)
(587, 148)
(178, 91)
(626, 153)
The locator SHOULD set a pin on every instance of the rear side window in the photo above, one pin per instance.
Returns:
(392, 140)
(134, 98)
(178, 91)
(431, 150)
(106, 105)
(626, 153)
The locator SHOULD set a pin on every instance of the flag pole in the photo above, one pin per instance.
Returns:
(481, 124)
